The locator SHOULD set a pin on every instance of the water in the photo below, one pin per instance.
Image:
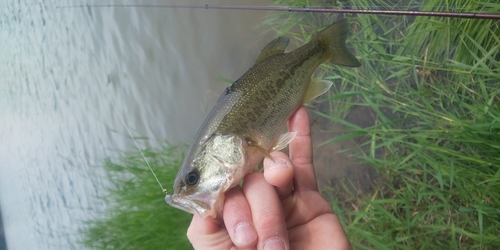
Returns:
(61, 71)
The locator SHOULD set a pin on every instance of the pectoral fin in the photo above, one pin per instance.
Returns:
(276, 46)
(260, 149)
(317, 88)
(284, 140)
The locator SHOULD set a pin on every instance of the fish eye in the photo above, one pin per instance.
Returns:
(192, 177)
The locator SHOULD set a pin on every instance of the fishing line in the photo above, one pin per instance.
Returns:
(472, 15)
(135, 142)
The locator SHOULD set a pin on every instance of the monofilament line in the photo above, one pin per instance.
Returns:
(135, 142)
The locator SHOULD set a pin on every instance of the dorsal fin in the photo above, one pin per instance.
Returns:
(276, 46)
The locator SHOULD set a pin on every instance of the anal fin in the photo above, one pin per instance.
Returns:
(317, 88)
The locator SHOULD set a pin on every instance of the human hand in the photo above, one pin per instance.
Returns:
(279, 209)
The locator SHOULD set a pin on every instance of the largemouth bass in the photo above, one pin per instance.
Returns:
(245, 124)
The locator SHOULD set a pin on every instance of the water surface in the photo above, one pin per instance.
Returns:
(68, 78)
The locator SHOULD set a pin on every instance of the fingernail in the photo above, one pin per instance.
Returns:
(244, 234)
(279, 163)
(274, 243)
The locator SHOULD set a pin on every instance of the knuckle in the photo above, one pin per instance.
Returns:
(270, 219)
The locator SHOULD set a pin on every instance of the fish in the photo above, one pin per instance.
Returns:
(245, 124)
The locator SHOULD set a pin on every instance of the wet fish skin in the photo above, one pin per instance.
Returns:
(245, 124)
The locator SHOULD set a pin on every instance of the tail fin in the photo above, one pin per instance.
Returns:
(334, 36)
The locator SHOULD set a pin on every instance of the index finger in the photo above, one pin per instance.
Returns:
(301, 151)
(267, 212)
(207, 234)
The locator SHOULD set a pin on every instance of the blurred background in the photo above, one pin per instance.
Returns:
(69, 74)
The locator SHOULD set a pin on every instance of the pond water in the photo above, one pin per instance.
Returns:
(68, 78)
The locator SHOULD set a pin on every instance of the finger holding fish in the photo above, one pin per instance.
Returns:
(205, 233)
(301, 151)
(236, 230)
(279, 173)
(238, 219)
(252, 217)
(267, 213)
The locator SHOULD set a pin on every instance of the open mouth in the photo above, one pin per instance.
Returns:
(188, 204)
(181, 203)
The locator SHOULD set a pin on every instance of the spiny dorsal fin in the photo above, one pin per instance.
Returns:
(317, 88)
(276, 46)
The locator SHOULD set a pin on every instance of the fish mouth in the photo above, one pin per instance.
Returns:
(190, 205)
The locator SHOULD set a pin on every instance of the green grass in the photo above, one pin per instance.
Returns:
(432, 86)
(137, 216)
